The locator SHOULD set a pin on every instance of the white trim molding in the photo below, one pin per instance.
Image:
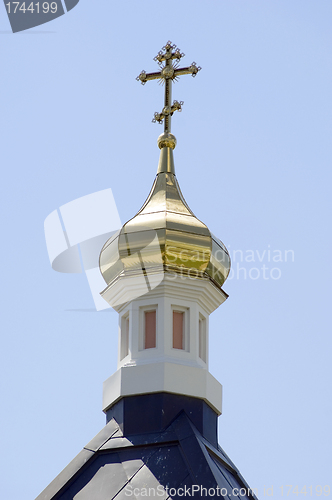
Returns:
(163, 377)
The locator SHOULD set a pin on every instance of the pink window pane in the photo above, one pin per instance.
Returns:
(150, 329)
(178, 319)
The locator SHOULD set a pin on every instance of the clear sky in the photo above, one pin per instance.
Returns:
(254, 163)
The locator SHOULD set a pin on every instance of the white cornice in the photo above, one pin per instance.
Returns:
(128, 288)
(163, 377)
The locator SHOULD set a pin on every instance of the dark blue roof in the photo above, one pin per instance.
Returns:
(160, 464)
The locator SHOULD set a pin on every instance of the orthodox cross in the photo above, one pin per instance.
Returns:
(168, 72)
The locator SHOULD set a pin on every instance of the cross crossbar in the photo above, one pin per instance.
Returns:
(168, 73)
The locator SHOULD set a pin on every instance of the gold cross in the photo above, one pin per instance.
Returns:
(169, 72)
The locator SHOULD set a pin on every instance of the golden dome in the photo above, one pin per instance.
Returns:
(165, 236)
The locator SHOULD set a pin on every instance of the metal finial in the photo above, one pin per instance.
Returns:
(169, 71)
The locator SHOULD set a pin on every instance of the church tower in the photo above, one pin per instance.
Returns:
(164, 271)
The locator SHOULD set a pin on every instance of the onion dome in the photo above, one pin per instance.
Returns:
(165, 235)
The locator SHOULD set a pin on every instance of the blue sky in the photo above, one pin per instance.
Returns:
(254, 163)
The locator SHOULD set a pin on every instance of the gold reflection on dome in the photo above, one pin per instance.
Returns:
(165, 236)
